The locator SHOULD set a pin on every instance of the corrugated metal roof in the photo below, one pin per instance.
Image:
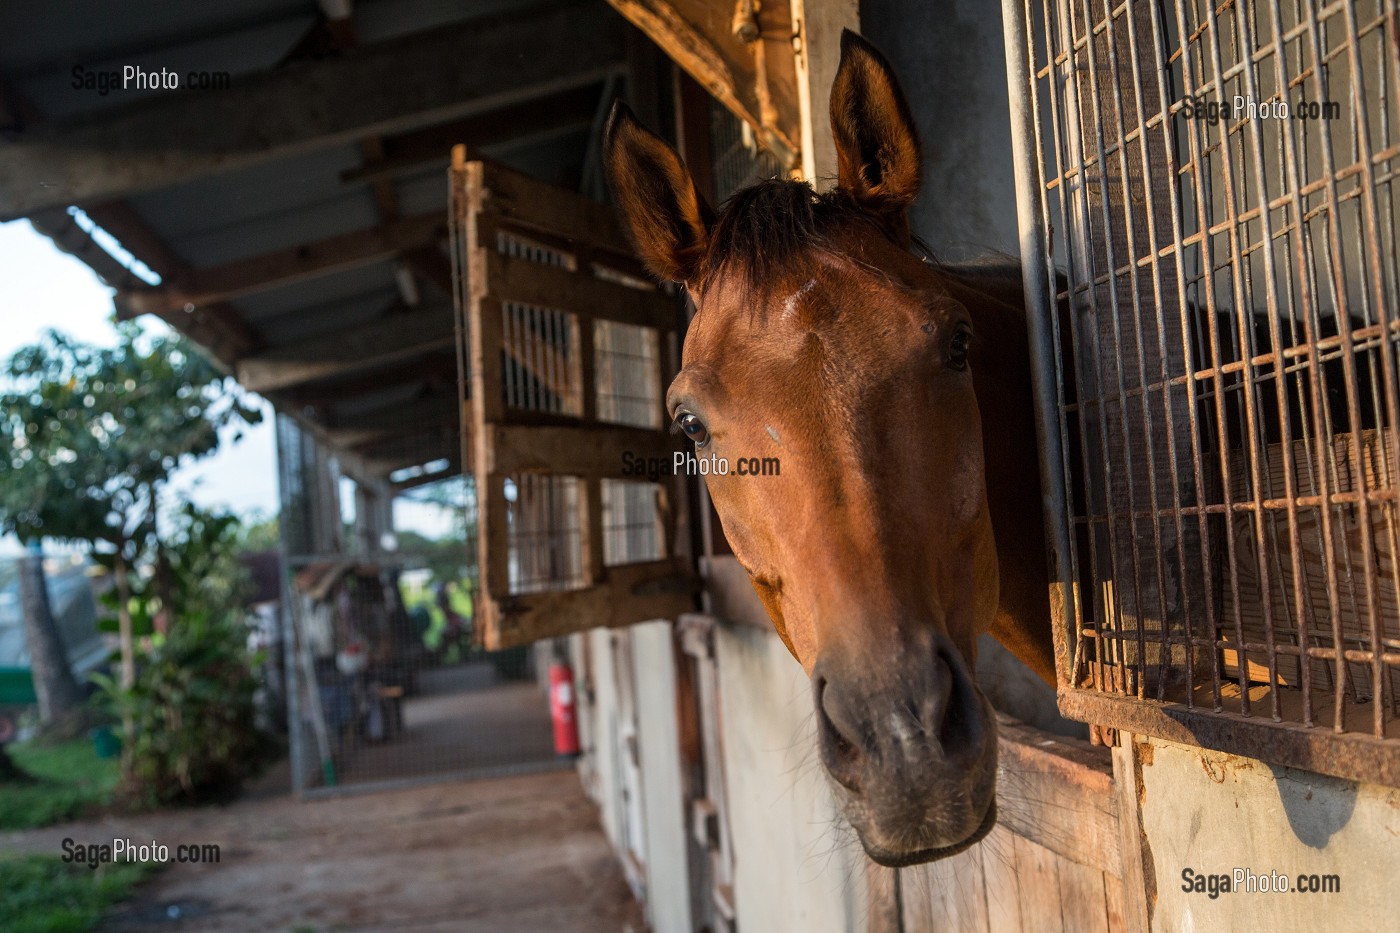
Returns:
(283, 203)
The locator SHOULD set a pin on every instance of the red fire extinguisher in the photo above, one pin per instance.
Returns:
(561, 709)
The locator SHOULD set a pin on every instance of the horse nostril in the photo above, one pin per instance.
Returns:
(959, 726)
(839, 753)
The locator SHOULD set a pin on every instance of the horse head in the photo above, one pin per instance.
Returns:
(822, 340)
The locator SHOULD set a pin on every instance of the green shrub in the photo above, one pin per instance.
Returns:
(191, 708)
(192, 714)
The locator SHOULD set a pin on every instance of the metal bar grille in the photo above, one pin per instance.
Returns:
(1221, 182)
(628, 373)
(632, 525)
(545, 534)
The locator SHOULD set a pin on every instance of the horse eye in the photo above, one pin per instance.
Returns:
(957, 348)
(693, 428)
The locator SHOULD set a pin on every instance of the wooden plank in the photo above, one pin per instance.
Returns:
(1114, 904)
(882, 893)
(1083, 905)
(967, 889)
(578, 450)
(948, 895)
(1058, 792)
(386, 340)
(818, 25)
(483, 313)
(514, 198)
(283, 267)
(594, 547)
(921, 900)
(631, 593)
(1039, 886)
(1133, 841)
(520, 280)
(1001, 875)
(756, 81)
(456, 71)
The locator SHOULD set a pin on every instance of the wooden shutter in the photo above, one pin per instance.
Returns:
(566, 347)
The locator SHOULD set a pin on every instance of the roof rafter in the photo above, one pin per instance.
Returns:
(270, 270)
(470, 68)
(384, 340)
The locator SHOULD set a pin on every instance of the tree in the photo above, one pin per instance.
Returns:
(57, 690)
(90, 435)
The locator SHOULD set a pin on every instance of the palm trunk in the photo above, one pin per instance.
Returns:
(54, 685)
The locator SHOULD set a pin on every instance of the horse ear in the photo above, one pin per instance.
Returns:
(670, 221)
(877, 147)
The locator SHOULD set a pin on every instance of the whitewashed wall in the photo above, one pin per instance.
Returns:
(1213, 813)
(796, 864)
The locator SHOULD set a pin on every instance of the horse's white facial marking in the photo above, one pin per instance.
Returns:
(771, 433)
(790, 305)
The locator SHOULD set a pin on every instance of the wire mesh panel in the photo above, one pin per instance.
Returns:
(1217, 184)
(564, 347)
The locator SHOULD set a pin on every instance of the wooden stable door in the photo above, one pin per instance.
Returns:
(565, 348)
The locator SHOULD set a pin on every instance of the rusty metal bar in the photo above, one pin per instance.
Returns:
(1288, 419)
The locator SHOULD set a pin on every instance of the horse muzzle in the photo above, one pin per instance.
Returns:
(911, 745)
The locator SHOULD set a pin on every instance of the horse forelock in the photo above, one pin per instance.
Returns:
(772, 233)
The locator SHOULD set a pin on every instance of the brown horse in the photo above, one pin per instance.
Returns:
(896, 392)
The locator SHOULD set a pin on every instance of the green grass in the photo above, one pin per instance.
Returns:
(41, 894)
(71, 780)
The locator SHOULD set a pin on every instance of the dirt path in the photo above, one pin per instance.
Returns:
(509, 855)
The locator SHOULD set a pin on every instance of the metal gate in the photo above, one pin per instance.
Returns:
(1216, 367)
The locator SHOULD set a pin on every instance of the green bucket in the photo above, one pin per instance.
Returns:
(106, 743)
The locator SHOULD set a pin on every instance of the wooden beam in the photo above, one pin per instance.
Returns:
(121, 220)
(438, 369)
(400, 453)
(389, 339)
(566, 111)
(630, 594)
(391, 87)
(217, 327)
(454, 468)
(270, 270)
(402, 416)
(755, 79)
(532, 283)
(585, 450)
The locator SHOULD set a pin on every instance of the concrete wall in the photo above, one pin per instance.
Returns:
(951, 64)
(1214, 813)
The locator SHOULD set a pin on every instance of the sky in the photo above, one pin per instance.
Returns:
(42, 287)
